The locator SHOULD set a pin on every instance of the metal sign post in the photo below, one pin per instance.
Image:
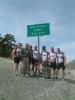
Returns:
(38, 43)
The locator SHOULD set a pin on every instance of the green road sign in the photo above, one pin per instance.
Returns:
(38, 29)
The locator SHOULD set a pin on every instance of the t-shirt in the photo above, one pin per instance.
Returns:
(44, 55)
(36, 54)
(25, 52)
(60, 57)
(53, 56)
(18, 52)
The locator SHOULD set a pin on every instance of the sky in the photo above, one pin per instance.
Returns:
(15, 15)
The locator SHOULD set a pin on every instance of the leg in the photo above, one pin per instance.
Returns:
(52, 70)
(53, 73)
(33, 66)
(56, 72)
(49, 72)
(16, 63)
(35, 69)
(28, 67)
(24, 66)
(40, 70)
(16, 68)
(63, 71)
(60, 71)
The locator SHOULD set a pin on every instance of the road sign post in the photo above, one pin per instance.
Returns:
(38, 43)
(38, 30)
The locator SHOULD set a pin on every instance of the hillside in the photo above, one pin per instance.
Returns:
(71, 65)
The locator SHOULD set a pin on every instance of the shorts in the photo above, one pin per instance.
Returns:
(53, 65)
(45, 63)
(61, 65)
(34, 61)
(30, 61)
(17, 60)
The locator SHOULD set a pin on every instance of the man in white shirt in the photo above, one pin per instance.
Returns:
(53, 62)
(36, 58)
(45, 59)
(61, 61)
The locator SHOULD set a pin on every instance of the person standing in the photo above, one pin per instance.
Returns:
(30, 54)
(45, 61)
(31, 60)
(36, 58)
(61, 62)
(25, 60)
(53, 63)
(17, 55)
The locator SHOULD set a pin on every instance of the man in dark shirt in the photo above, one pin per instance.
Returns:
(25, 60)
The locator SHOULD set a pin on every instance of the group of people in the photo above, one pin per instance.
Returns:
(45, 64)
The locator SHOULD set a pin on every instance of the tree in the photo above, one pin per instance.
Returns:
(6, 44)
(0, 43)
